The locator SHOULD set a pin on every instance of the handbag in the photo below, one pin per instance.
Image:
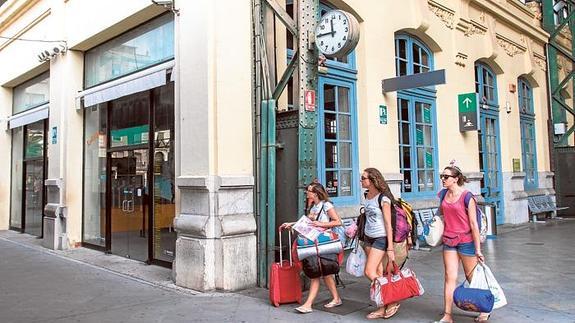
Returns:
(324, 245)
(395, 287)
(320, 266)
(433, 231)
(483, 278)
(474, 299)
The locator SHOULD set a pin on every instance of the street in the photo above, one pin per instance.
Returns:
(534, 263)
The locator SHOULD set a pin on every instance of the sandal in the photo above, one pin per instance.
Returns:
(378, 314)
(482, 318)
(303, 310)
(444, 321)
(333, 304)
(391, 311)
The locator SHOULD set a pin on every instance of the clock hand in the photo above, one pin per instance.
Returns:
(325, 34)
(331, 24)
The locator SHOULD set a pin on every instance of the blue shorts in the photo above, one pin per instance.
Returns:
(377, 243)
(466, 248)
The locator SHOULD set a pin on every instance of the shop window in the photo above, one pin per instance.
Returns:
(31, 94)
(527, 125)
(416, 120)
(142, 47)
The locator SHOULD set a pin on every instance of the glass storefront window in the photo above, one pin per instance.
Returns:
(135, 50)
(31, 94)
(16, 194)
(95, 175)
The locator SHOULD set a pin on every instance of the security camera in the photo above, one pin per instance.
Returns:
(40, 58)
(60, 49)
(164, 3)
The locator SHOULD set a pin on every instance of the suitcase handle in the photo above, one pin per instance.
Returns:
(281, 248)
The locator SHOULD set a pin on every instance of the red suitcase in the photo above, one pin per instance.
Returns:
(285, 284)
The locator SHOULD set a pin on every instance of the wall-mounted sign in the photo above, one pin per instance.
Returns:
(468, 112)
(54, 135)
(310, 100)
(382, 114)
(516, 165)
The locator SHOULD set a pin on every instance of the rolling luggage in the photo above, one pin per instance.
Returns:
(285, 284)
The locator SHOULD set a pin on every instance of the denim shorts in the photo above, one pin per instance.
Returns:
(466, 248)
(377, 243)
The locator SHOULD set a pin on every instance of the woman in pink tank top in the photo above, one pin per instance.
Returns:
(461, 239)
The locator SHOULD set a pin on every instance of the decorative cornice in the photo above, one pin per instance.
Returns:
(471, 27)
(541, 61)
(509, 46)
(445, 14)
(460, 59)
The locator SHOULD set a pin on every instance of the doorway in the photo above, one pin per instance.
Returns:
(129, 176)
(490, 162)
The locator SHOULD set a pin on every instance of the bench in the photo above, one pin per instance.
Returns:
(542, 204)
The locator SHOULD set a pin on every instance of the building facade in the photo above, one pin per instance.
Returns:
(133, 129)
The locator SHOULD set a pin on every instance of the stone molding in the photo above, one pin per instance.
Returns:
(445, 14)
(510, 47)
(473, 176)
(540, 61)
(471, 27)
(460, 59)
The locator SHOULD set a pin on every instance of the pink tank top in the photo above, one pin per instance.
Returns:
(456, 219)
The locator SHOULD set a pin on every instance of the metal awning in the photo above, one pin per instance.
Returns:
(147, 79)
(29, 116)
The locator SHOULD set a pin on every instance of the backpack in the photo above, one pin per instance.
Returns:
(481, 217)
(399, 220)
(411, 220)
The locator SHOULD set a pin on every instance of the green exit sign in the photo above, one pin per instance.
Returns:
(382, 114)
(468, 111)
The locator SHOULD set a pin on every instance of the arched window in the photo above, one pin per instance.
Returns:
(527, 125)
(416, 120)
(486, 86)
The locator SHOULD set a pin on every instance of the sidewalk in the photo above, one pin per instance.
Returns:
(534, 263)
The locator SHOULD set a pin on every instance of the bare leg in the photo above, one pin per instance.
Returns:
(373, 269)
(451, 263)
(313, 290)
(330, 283)
(469, 263)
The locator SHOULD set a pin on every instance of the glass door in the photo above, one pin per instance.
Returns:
(129, 203)
(490, 163)
(33, 177)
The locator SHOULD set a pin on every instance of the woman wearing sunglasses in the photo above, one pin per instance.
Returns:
(378, 242)
(461, 239)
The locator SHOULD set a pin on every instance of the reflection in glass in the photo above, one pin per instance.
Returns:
(330, 155)
(164, 174)
(343, 99)
(345, 155)
(344, 127)
(330, 126)
(33, 93)
(345, 185)
(329, 97)
(16, 189)
(95, 144)
(135, 50)
(130, 124)
(331, 183)
(33, 198)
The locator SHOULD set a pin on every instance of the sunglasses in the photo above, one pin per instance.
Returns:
(363, 178)
(445, 176)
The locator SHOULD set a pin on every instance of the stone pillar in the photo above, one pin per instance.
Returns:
(216, 244)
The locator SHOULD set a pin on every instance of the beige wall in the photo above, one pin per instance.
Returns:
(502, 34)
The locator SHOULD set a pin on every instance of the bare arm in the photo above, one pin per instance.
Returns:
(334, 220)
(472, 214)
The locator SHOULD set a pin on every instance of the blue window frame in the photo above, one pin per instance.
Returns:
(486, 86)
(527, 125)
(417, 127)
(337, 140)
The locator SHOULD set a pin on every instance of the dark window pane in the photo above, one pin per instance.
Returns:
(343, 99)
(330, 126)
(402, 68)
(331, 183)
(407, 182)
(405, 133)
(406, 157)
(329, 97)
(330, 155)
(401, 44)
(416, 58)
(404, 106)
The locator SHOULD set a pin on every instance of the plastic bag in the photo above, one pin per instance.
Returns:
(355, 264)
(483, 278)
(433, 231)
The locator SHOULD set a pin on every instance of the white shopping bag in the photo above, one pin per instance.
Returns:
(483, 279)
(355, 264)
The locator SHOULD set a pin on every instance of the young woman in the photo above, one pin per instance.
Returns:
(323, 215)
(461, 239)
(378, 241)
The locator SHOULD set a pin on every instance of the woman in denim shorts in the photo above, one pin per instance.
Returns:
(377, 242)
(461, 239)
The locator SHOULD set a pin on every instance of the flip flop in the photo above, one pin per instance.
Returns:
(482, 318)
(391, 311)
(333, 304)
(303, 310)
(375, 315)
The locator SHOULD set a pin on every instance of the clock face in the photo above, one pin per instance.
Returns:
(333, 34)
